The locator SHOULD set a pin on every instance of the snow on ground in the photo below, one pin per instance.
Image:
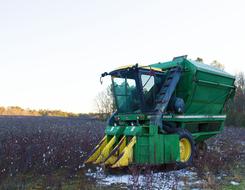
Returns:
(159, 180)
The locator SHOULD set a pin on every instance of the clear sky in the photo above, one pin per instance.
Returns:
(52, 52)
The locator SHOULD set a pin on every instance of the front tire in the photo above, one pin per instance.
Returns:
(187, 149)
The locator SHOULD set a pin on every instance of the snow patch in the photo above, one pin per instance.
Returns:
(234, 183)
(159, 180)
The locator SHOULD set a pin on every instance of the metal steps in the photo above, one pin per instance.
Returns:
(165, 95)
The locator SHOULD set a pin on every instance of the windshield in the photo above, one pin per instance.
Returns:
(150, 86)
(149, 91)
(126, 95)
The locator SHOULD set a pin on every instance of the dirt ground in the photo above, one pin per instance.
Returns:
(48, 153)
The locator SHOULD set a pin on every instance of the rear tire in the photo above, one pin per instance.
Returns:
(187, 149)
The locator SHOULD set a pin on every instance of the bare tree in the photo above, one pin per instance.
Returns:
(217, 64)
(104, 103)
(240, 81)
(236, 109)
(240, 93)
(199, 59)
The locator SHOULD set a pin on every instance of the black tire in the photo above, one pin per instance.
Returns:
(186, 136)
(170, 127)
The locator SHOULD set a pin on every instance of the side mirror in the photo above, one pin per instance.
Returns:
(103, 75)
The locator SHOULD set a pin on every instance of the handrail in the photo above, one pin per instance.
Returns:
(215, 83)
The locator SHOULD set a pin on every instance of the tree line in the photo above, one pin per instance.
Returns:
(16, 110)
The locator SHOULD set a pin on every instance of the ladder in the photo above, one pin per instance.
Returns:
(165, 94)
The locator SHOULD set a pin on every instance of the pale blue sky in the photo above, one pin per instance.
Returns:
(53, 52)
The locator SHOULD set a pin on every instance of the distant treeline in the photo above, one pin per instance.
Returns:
(235, 109)
(16, 110)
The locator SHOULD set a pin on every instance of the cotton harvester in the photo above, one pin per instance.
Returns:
(165, 112)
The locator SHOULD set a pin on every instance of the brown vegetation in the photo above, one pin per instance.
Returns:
(16, 110)
(44, 144)
(225, 153)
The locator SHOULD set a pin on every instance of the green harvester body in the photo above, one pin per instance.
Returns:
(191, 102)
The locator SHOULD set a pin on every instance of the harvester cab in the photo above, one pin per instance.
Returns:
(165, 112)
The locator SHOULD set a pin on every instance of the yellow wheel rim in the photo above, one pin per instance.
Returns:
(185, 149)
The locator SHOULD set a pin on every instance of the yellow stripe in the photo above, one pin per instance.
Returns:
(105, 152)
(126, 157)
(96, 151)
(151, 68)
(144, 67)
(116, 152)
